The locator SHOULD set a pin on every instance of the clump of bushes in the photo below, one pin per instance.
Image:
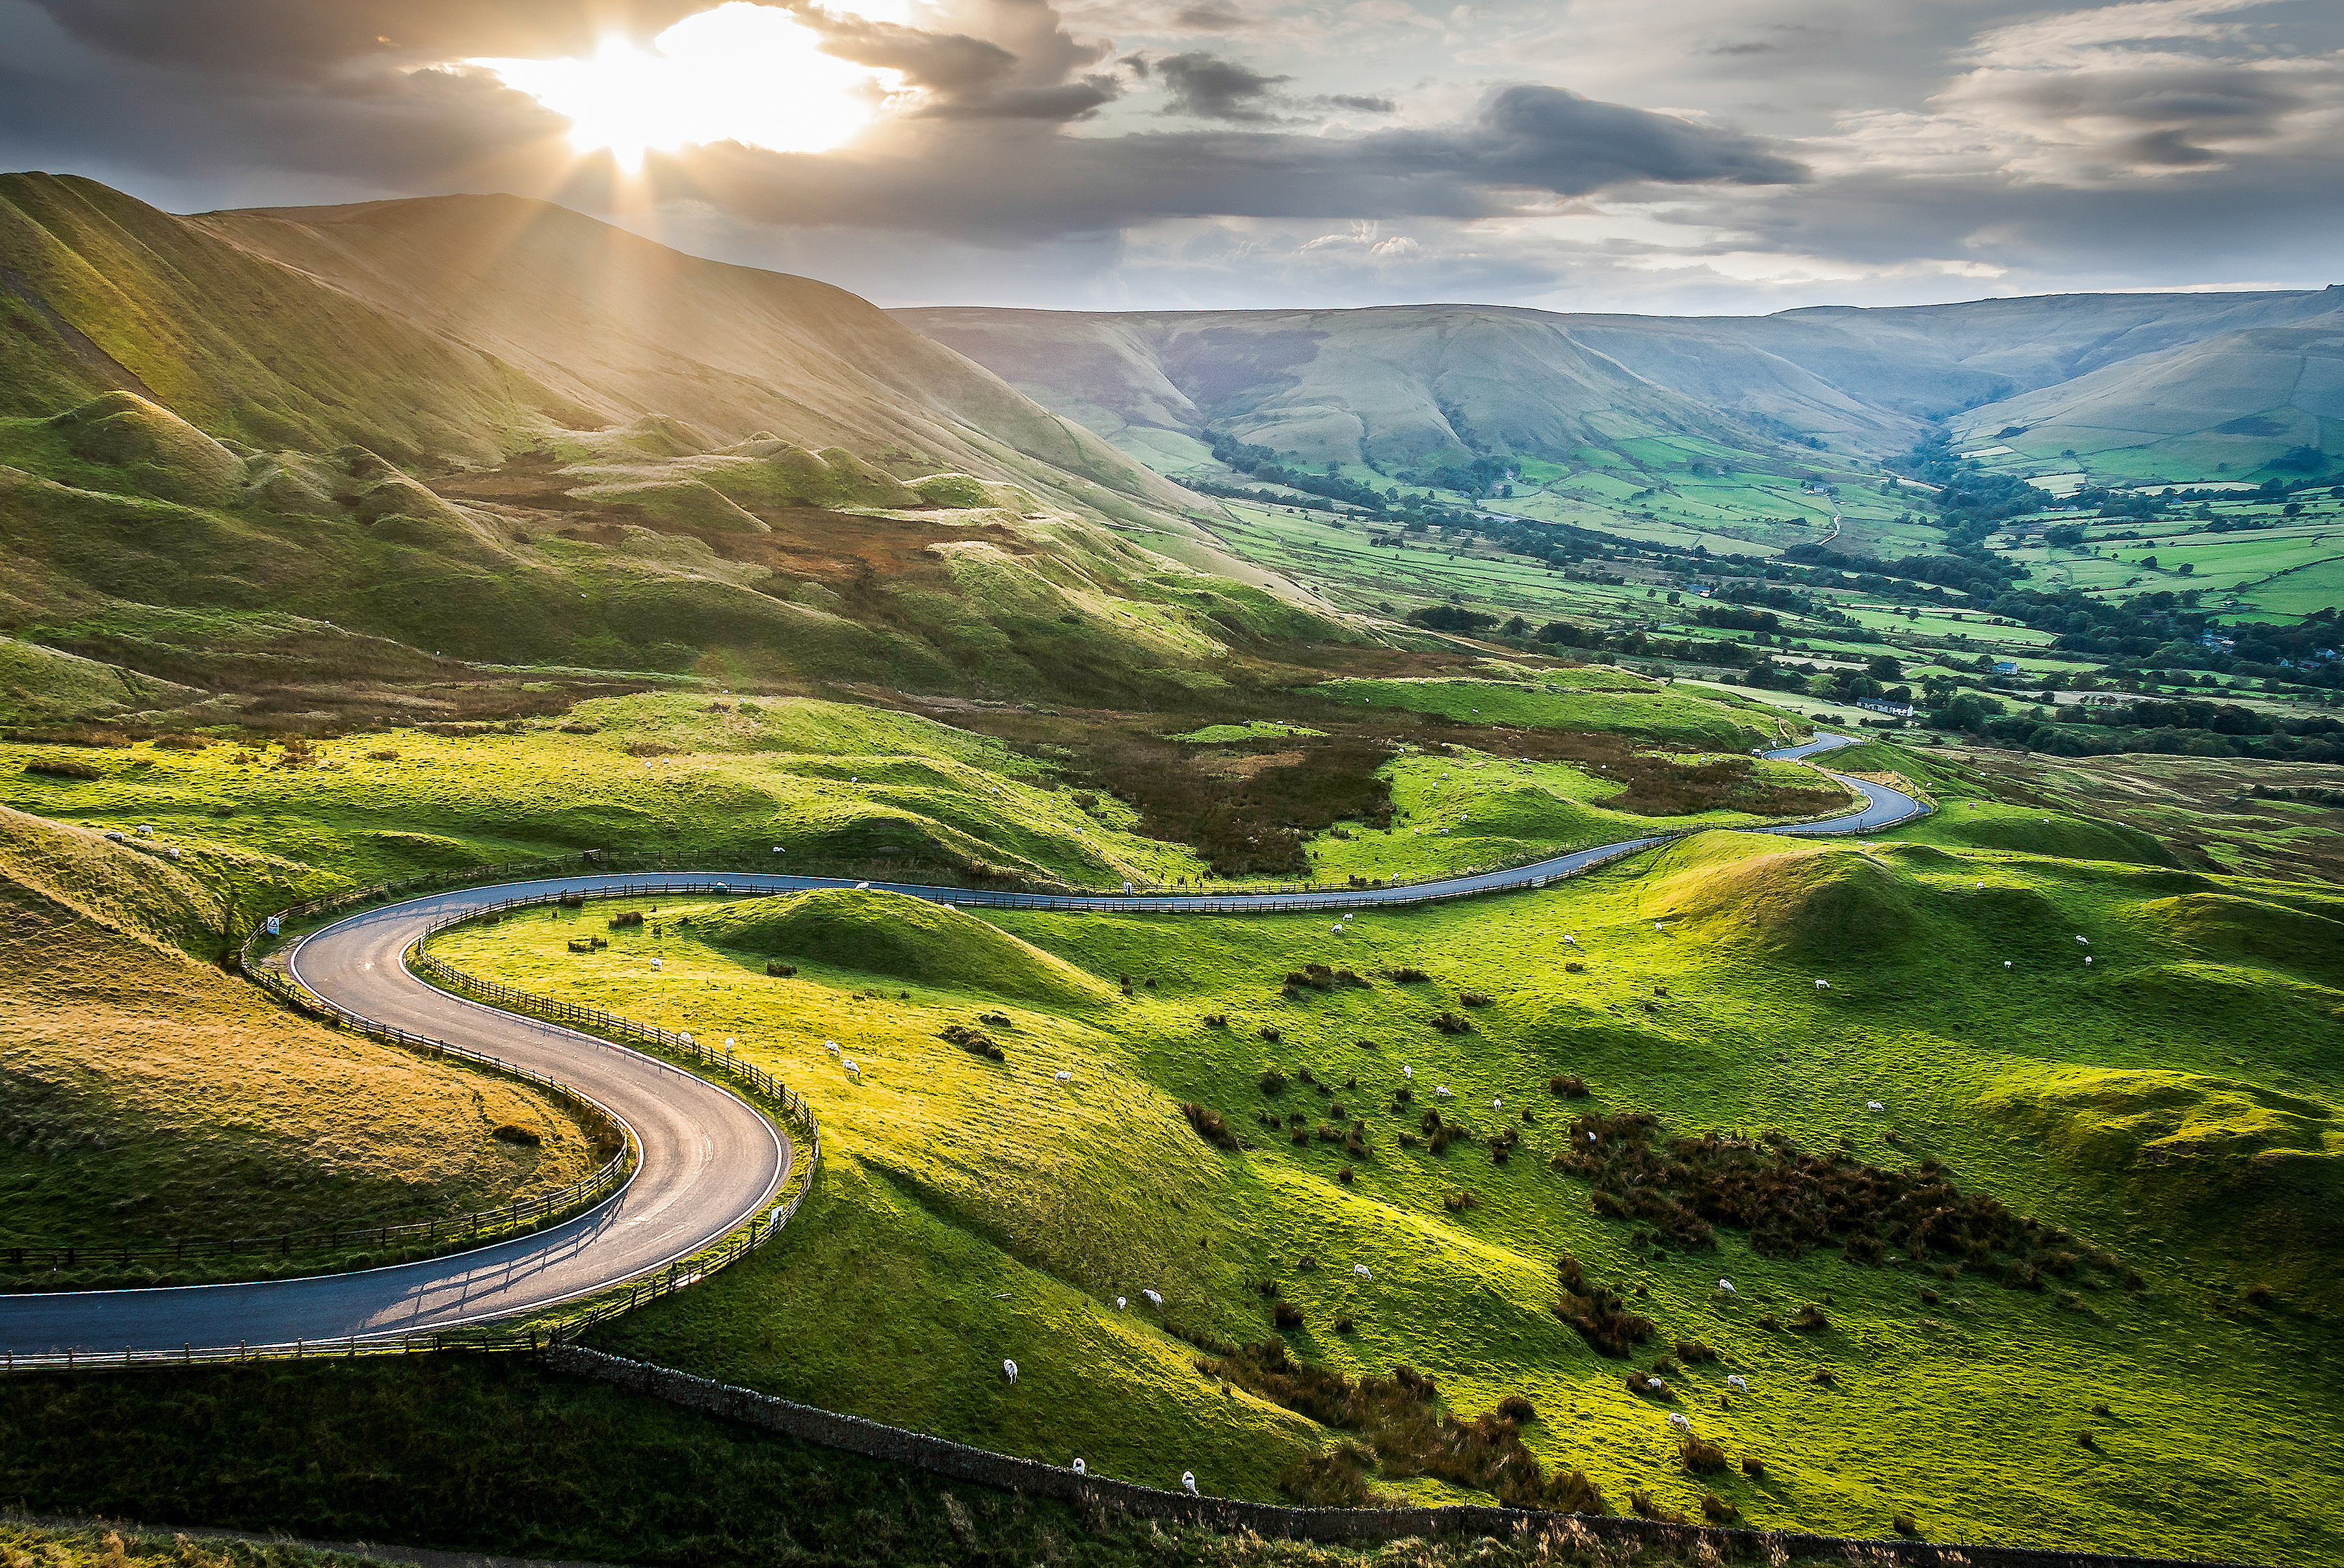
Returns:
(1457, 1203)
(1406, 976)
(1574, 968)
(1399, 1422)
(1319, 977)
(1809, 1320)
(1286, 1315)
(1701, 1456)
(974, 1041)
(1715, 1509)
(1273, 1080)
(1208, 1125)
(1217, 1021)
(1472, 998)
(63, 768)
(1270, 1034)
(1451, 1023)
(628, 921)
(1602, 1318)
(781, 970)
(996, 1020)
(514, 1132)
(573, 900)
(1904, 1524)
(1692, 1352)
(1792, 1202)
(1567, 1087)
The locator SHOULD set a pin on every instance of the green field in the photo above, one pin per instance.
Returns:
(2164, 1103)
(1697, 717)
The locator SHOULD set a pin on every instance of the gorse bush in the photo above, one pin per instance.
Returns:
(1210, 1125)
(1451, 1023)
(1398, 1422)
(1602, 1318)
(974, 1041)
(780, 971)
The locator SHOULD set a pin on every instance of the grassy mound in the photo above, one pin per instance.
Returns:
(908, 938)
(2229, 928)
(2263, 1166)
(1813, 899)
(159, 453)
(2035, 830)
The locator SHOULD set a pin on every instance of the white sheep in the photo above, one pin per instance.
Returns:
(1010, 1368)
(1066, 1078)
(1337, 930)
(685, 1038)
(1727, 1286)
(1188, 1482)
(1572, 941)
(2087, 957)
(1441, 1092)
(852, 1066)
(1742, 1383)
(1119, 1304)
(1656, 1386)
(1874, 1105)
(1079, 1468)
(655, 963)
(1408, 1073)
(830, 1046)
(1981, 884)
(1679, 1422)
(1822, 985)
(1497, 1105)
(1360, 1270)
(1153, 1299)
(2006, 963)
(860, 885)
(1656, 925)
(2085, 940)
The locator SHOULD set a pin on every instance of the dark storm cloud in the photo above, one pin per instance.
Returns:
(1031, 184)
(1206, 86)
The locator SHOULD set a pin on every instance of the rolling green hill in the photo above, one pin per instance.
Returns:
(2150, 1136)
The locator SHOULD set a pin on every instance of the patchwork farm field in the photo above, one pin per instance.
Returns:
(2142, 1147)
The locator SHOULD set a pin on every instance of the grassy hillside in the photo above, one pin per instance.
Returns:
(2156, 1116)
(490, 1455)
(235, 1119)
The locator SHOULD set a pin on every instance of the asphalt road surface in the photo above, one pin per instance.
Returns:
(709, 1160)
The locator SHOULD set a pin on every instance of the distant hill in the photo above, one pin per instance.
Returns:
(1413, 385)
(249, 451)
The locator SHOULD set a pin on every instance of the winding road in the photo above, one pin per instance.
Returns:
(710, 1161)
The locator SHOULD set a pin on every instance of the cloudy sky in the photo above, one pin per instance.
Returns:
(1661, 155)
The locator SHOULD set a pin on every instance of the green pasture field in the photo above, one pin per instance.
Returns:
(1465, 812)
(1703, 717)
(821, 780)
(2172, 1101)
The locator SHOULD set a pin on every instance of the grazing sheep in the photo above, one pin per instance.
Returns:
(1119, 1304)
(1572, 941)
(1679, 1422)
(1656, 925)
(2087, 957)
(2006, 963)
(730, 1042)
(830, 1046)
(1408, 1073)
(1656, 1386)
(1981, 884)
(851, 1065)
(1081, 1469)
(860, 885)
(2085, 940)
(1188, 1482)
(1337, 930)
(1153, 1299)
(1066, 1078)
(1441, 1092)
(1497, 1105)
(1822, 985)
(1010, 1368)
(1360, 1270)
(685, 1038)
(1874, 1105)
(1727, 1286)
(1741, 1384)
(655, 963)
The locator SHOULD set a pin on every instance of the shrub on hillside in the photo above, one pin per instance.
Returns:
(1287, 1315)
(63, 768)
(1602, 1318)
(194, 743)
(1399, 1419)
(1716, 1509)
(974, 1041)
(1272, 1081)
(780, 971)
(1701, 1456)
(1472, 998)
(1571, 1087)
(1210, 1125)
(627, 922)
(1406, 976)
(1451, 1023)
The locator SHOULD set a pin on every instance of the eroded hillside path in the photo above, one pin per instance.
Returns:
(709, 1160)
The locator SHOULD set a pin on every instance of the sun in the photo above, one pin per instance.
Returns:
(742, 72)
